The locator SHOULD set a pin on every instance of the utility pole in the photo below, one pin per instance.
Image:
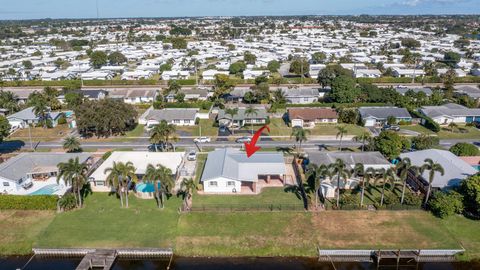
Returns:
(196, 72)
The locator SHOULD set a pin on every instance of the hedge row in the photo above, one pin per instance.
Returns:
(332, 105)
(18, 202)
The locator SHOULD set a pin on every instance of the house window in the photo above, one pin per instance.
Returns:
(100, 183)
(230, 183)
(213, 184)
(6, 184)
(305, 99)
(176, 121)
(186, 121)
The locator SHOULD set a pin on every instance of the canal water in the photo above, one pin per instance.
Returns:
(13, 263)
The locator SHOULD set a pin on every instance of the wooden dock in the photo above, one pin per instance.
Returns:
(104, 258)
(98, 259)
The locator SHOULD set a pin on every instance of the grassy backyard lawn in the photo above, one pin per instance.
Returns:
(102, 223)
(40, 133)
(272, 195)
(19, 229)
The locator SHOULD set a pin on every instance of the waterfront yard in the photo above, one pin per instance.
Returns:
(102, 223)
(19, 229)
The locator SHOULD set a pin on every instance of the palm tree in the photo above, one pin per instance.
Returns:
(317, 173)
(300, 135)
(342, 131)
(161, 177)
(119, 176)
(453, 127)
(188, 186)
(40, 109)
(403, 167)
(232, 112)
(386, 176)
(71, 144)
(251, 111)
(161, 134)
(73, 173)
(432, 167)
(340, 169)
(364, 137)
(367, 178)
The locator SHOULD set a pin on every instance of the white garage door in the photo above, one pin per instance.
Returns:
(297, 123)
(370, 122)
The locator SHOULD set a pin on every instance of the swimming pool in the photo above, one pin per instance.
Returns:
(46, 190)
(476, 167)
(145, 187)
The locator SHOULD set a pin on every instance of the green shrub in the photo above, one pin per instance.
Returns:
(67, 202)
(349, 199)
(62, 120)
(423, 142)
(412, 199)
(19, 202)
(390, 198)
(107, 155)
(464, 149)
(430, 124)
(444, 204)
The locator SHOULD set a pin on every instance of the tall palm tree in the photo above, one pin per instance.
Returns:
(232, 112)
(161, 134)
(342, 131)
(367, 178)
(403, 168)
(300, 135)
(318, 174)
(188, 186)
(73, 173)
(250, 111)
(340, 170)
(386, 176)
(119, 176)
(40, 109)
(363, 138)
(161, 177)
(71, 144)
(431, 167)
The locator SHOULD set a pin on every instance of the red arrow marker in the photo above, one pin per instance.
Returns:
(251, 148)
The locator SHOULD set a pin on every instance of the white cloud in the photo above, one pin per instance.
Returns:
(414, 3)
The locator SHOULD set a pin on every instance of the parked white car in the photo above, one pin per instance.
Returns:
(192, 156)
(202, 140)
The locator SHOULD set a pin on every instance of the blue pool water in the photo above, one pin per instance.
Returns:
(477, 167)
(46, 190)
(145, 187)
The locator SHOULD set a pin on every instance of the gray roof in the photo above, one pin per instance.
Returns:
(449, 109)
(172, 114)
(26, 114)
(261, 114)
(469, 90)
(455, 168)
(383, 112)
(240, 91)
(18, 166)
(300, 92)
(349, 158)
(234, 164)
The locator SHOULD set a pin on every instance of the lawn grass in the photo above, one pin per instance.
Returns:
(278, 128)
(138, 131)
(19, 229)
(268, 196)
(40, 133)
(102, 223)
(206, 126)
(445, 133)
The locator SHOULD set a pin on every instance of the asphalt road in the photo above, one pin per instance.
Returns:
(142, 144)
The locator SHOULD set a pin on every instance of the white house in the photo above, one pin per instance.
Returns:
(229, 170)
(36, 173)
(178, 117)
(97, 75)
(175, 75)
(209, 75)
(451, 112)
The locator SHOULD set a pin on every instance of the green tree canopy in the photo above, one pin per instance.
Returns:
(464, 149)
(98, 59)
(117, 58)
(344, 90)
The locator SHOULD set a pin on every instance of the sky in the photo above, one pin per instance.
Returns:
(39, 9)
